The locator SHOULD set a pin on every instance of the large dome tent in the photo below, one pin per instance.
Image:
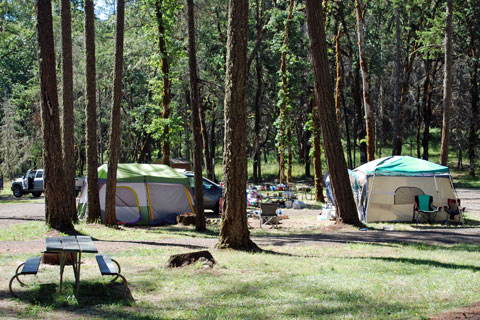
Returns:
(389, 186)
(146, 194)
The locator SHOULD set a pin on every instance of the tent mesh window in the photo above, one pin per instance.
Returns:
(125, 197)
(406, 195)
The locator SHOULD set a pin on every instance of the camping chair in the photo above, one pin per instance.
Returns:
(268, 214)
(423, 210)
(455, 211)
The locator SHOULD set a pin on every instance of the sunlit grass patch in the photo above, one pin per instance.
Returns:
(23, 231)
(288, 281)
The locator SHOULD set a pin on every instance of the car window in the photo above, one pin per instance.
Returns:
(206, 185)
(39, 174)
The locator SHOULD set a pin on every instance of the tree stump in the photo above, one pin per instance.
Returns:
(53, 258)
(183, 259)
(186, 219)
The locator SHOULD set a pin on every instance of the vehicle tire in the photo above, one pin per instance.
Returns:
(36, 194)
(216, 209)
(17, 191)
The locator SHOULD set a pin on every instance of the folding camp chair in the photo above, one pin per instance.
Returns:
(268, 214)
(423, 210)
(455, 212)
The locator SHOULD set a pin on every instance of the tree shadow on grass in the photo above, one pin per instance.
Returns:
(424, 262)
(89, 294)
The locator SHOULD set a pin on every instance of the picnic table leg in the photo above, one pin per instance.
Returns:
(62, 266)
(77, 272)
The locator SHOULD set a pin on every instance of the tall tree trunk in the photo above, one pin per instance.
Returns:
(474, 93)
(338, 82)
(419, 120)
(396, 89)
(204, 130)
(166, 83)
(317, 153)
(342, 191)
(427, 107)
(289, 154)
(213, 142)
(447, 85)
(359, 125)
(91, 110)
(234, 232)
(257, 177)
(56, 213)
(283, 106)
(188, 102)
(195, 106)
(347, 131)
(68, 114)
(365, 82)
(110, 214)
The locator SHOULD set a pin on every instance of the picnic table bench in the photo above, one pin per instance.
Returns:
(30, 267)
(110, 267)
(69, 250)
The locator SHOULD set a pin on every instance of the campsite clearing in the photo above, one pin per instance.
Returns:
(324, 272)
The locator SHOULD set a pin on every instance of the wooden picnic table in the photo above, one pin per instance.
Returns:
(70, 248)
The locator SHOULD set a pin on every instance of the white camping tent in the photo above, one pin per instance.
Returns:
(389, 186)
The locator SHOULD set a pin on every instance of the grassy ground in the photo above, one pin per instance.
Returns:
(334, 281)
(6, 196)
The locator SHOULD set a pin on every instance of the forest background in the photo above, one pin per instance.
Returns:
(403, 52)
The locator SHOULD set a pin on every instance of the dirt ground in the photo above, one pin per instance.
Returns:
(327, 233)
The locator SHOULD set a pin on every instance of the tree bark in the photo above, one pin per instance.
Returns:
(283, 107)
(213, 142)
(234, 232)
(257, 176)
(359, 125)
(204, 130)
(56, 213)
(474, 93)
(93, 204)
(427, 105)
(338, 82)
(195, 106)
(68, 113)
(365, 83)
(317, 153)
(110, 213)
(342, 191)
(166, 83)
(396, 90)
(447, 86)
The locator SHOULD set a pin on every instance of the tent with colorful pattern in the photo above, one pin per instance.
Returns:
(146, 194)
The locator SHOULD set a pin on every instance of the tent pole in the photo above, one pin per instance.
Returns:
(453, 188)
(436, 187)
(369, 193)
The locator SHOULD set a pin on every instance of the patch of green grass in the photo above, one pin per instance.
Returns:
(143, 233)
(23, 231)
(6, 196)
(341, 281)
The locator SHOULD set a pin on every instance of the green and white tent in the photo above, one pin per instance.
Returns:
(389, 186)
(147, 194)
